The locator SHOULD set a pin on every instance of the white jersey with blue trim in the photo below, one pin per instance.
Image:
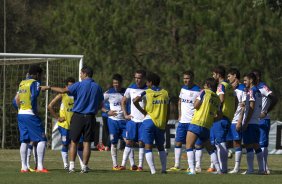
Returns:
(132, 92)
(239, 92)
(254, 95)
(187, 98)
(265, 91)
(114, 98)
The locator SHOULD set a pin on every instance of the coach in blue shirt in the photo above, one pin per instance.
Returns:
(88, 97)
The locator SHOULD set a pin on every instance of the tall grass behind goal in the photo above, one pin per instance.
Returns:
(13, 69)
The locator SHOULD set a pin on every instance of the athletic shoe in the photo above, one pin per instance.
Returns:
(121, 168)
(72, 170)
(66, 167)
(268, 172)
(83, 171)
(42, 171)
(116, 168)
(163, 172)
(234, 171)
(218, 172)
(24, 171)
(191, 173)
(188, 170)
(139, 169)
(173, 169)
(31, 170)
(262, 173)
(198, 169)
(87, 169)
(134, 168)
(248, 172)
(211, 170)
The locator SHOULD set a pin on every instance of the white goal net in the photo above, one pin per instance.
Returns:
(13, 69)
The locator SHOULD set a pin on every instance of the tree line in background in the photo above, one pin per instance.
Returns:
(164, 36)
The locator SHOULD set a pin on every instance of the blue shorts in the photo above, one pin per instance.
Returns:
(151, 133)
(117, 128)
(220, 130)
(65, 135)
(134, 131)
(202, 132)
(251, 134)
(181, 132)
(264, 128)
(233, 134)
(30, 128)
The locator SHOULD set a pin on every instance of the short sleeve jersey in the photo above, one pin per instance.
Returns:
(114, 98)
(187, 98)
(132, 92)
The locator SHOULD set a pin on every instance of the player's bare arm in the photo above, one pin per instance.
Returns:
(56, 100)
(250, 113)
(197, 104)
(56, 89)
(123, 106)
(137, 105)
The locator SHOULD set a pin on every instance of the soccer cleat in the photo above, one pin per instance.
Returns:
(121, 168)
(191, 173)
(134, 168)
(262, 173)
(163, 172)
(139, 169)
(24, 171)
(211, 170)
(72, 170)
(198, 169)
(218, 172)
(267, 172)
(247, 172)
(173, 169)
(116, 168)
(83, 171)
(66, 167)
(31, 170)
(88, 169)
(42, 171)
(234, 171)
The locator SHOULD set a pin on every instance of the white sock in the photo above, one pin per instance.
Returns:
(191, 159)
(71, 165)
(238, 156)
(150, 160)
(29, 150)
(80, 158)
(65, 156)
(23, 153)
(222, 156)
(40, 153)
(35, 157)
(265, 155)
(131, 157)
(163, 159)
(198, 159)
(250, 161)
(126, 153)
(114, 154)
(141, 156)
(177, 155)
(260, 161)
(212, 165)
(215, 161)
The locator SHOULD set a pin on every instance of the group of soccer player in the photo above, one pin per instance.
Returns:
(217, 117)
(243, 116)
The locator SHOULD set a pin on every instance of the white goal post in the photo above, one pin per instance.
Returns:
(13, 68)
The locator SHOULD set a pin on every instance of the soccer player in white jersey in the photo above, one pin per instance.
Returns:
(233, 76)
(187, 97)
(269, 100)
(116, 121)
(250, 125)
(134, 125)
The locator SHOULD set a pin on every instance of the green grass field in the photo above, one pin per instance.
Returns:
(101, 164)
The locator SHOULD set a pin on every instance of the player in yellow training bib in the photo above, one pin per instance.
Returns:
(207, 106)
(156, 116)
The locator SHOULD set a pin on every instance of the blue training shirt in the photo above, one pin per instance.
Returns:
(88, 96)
